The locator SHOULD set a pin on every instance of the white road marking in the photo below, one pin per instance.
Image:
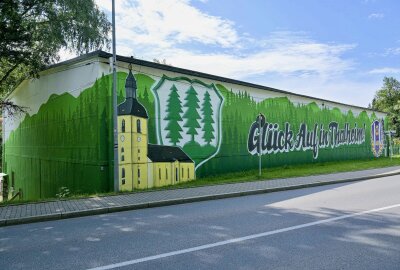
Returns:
(239, 239)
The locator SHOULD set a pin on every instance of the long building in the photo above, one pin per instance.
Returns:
(174, 125)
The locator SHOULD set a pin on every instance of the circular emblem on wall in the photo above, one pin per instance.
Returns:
(139, 139)
(377, 138)
(122, 138)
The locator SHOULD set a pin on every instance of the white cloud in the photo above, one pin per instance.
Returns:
(189, 38)
(170, 23)
(163, 29)
(385, 70)
(359, 92)
(300, 57)
(376, 16)
(393, 51)
(169, 29)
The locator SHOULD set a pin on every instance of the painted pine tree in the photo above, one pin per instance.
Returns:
(174, 110)
(191, 115)
(207, 120)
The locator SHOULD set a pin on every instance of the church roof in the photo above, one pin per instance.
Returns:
(163, 153)
(131, 106)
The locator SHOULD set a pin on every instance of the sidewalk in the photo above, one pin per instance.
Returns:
(60, 209)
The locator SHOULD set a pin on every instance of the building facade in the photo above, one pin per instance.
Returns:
(174, 125)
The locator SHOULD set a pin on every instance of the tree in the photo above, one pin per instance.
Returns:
(32, 32)
(163, 62)
(387, 99)
(207, 119)
(191, 115)
(174, 110)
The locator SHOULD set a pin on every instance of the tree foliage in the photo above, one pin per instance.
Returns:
(207, 119)
(191, 115)
(387, 99)
(174, 110)
(32, 32)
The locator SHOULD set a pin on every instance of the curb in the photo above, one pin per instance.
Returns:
(32, 219)
(113, 209)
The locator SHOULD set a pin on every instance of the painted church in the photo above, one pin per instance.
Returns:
(143, 165)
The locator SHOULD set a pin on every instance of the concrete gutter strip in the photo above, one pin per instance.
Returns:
(32, 219)
(174, 201)
(82, 213)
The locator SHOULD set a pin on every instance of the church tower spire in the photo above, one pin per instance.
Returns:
(131, 105)
(130, 84)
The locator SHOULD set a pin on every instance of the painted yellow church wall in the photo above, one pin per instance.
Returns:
(128, 123)
(187, 171)
(140, 176)
(139, 140)
(139, 149)
(124, 148)
(150, 172)
(125, 183)
(175, 173)
(162, 174)
(143, 124)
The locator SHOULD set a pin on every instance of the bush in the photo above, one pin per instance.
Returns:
(64, 192)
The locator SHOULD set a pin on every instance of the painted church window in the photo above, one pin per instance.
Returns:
(123, 173)
(166, 173)
(188, 173)
(159, 173)
(182, 173)
(123, 126)
(138, 172)
(139, 128)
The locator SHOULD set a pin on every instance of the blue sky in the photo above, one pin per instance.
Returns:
(332, 49)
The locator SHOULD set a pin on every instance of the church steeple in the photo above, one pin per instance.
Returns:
(130, 84)
(131, 106)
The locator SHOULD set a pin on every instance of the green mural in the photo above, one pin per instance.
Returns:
(240, 112)
(68, 142)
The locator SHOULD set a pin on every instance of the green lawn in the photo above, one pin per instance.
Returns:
(293, 171)
(271, 173)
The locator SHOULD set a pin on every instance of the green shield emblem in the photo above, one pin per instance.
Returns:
(188, 115)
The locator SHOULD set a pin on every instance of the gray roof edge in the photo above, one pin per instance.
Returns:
(103, 54)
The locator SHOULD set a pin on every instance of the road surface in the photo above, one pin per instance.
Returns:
(343, 226)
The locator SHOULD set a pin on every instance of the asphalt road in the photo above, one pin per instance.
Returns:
(344, 226)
